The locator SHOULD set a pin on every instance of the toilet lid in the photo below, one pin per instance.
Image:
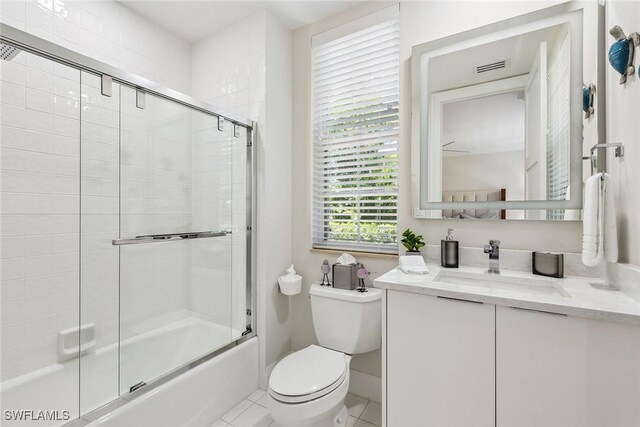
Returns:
(308, 372)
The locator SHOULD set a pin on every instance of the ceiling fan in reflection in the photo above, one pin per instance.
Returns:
(453, 151)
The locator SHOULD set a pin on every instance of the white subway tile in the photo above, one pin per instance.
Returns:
(39, 163)
(39, 121)
(67, 301)
(39, 245)
(13, 9)
(39, 183)
(12, 181)
(12, 247)
(12, 93)
(65, 243)
(11, 137)
(39, 18)
(13, 335)
(64, 165)
(39, 327)
(38, 100)
(39, 80)
(64, 224)
(66, 88)
(64, 263)
(14, 160)
(12, 291)
(12, 115)
(67, 107)
(39, 63)
(12, 71)
(38, 286)
(68, 128)
(65, 184)
(12, 313)
(39, 224)
(13, 203)
(67, 72)
(38, 265)
(66, 146)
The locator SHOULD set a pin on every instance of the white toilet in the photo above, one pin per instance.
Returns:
(309, 387)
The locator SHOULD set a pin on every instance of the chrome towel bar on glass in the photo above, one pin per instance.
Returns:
(158, 238)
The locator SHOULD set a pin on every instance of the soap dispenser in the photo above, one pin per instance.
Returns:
(449, 251)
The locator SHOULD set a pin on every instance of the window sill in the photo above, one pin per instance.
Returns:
(356, 253)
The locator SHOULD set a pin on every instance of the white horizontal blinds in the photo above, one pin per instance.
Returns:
(355, 135)
(558, 129)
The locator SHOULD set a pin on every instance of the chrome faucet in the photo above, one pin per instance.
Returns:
(493, 249)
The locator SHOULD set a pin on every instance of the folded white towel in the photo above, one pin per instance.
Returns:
(600, 235)
(413, 264)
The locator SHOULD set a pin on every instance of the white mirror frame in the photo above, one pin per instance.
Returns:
(572, 13)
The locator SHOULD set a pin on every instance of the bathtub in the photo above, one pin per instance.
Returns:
(196, 397)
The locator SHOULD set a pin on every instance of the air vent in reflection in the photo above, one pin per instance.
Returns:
(491, 67)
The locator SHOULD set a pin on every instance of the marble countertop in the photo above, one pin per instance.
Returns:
(577, 296)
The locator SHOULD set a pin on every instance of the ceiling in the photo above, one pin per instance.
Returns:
(457, 69)
(193, 20)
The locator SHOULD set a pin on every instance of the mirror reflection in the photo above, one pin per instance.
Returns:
(499, 124)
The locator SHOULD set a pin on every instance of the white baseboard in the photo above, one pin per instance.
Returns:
(365, 385)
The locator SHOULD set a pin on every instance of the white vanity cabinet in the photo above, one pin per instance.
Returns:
(555, 370)
(440, 357)
(451, 362)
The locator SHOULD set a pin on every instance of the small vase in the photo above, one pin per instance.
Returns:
(413, 253)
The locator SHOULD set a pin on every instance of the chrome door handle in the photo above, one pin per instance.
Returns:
(170, 237)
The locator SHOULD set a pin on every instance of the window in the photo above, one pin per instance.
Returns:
(355, 135)
(558, 129)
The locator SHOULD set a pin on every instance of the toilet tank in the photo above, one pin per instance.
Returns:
(347, 320)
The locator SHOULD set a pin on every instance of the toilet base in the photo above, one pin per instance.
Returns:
(327, 411)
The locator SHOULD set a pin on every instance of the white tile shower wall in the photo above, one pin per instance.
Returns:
(228, 71)
(107, 31)
(40, 183)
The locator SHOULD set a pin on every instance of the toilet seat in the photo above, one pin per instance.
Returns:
(308, 374)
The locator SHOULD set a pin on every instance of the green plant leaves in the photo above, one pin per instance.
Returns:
(411, 241)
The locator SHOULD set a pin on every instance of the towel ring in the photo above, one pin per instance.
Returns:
(619, 153)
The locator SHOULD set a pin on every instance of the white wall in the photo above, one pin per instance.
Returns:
(485, 172)
(246, 69)
(419, 22)
(623, 110)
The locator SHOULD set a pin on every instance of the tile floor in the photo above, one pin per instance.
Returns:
(252, 412)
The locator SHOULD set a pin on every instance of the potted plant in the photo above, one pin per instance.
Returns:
(412, 242)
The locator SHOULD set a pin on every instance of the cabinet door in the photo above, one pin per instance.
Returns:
(440, 361)
(554, 370)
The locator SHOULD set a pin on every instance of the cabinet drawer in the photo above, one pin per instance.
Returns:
(440, 361)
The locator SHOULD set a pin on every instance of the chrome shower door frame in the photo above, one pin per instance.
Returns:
(29, 43)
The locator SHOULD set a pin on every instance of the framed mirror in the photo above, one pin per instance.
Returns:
(497, 117)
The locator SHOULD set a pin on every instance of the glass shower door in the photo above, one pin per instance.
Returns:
(175, 242)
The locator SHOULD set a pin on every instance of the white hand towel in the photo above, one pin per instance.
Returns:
(599, 237)
(610, 229)
(413, 264)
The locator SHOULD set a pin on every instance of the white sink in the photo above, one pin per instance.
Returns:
(503, 282)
